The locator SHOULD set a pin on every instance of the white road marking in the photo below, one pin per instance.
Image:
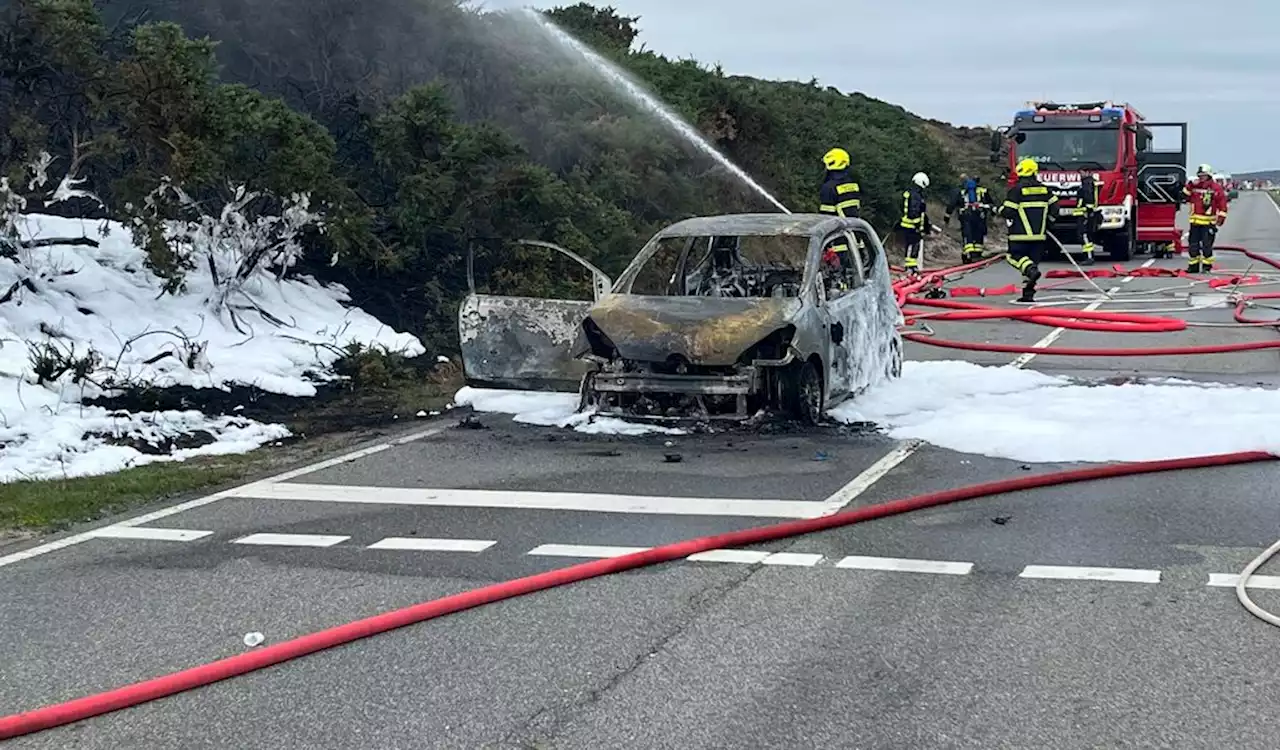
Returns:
(902, 565)
(582, 550)
(149, 532)
(85, 536)
(741, 556)
(292, 540)
(793, 559)
(1076, 573)
(1024, 359)
(757, 557)
(872, 474)
(433, 545)
(524, 500)
(1255, 581)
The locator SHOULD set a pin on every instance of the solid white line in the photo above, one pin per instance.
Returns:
(1024, 359)
(1075, 573)
(902, 565)
(523, 500)
(582, 550)
(68, 541)
(433, 545)
(151, 532)
(1255, 581)
(292, 540)
(872, 474)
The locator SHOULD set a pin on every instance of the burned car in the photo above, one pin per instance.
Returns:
(718, 317)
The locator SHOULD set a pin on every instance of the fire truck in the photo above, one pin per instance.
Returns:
(1140, 185)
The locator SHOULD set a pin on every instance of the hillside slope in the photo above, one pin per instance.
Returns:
(1272, 175)
(429, 130)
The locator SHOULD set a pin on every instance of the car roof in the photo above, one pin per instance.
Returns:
(802, 225)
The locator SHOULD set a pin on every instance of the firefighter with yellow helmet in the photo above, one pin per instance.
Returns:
(840, 195)
(1028, 210)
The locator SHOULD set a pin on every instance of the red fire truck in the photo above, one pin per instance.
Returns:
(1140, 185)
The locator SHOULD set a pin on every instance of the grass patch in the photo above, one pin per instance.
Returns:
(57, 503)
(383, 389)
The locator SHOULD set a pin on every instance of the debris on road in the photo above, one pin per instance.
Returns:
(470, 422)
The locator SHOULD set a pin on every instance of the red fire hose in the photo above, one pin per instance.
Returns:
(1108, 321)
(159, 687)
(907, 289)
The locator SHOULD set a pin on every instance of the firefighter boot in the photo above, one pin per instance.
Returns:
(1029, 284)
(1088, 254)
(1193, 264)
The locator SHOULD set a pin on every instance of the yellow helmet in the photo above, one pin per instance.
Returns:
(1027, 168)
(836, 158)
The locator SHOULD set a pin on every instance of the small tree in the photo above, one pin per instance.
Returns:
(254, 233)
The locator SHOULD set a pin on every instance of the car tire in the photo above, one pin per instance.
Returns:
(805, 397)
(1119, 245)
(895, 359)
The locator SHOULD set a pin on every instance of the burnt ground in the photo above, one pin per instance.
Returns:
(378, 390)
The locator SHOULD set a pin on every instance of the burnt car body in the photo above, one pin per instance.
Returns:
(719, 317)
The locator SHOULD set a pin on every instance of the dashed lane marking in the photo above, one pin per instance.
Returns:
(1024, 359)
(1074, 573)
(1255, 581)
(728, 556)
(292, 540)
(792, 559)
(582, 550)
(902, 565)
(433, 545)
(757, 557)
(149, 532)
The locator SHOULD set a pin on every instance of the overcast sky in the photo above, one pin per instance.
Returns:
(1212, 63)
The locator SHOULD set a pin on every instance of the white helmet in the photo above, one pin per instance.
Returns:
(921, 179)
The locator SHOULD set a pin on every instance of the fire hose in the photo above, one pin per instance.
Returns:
(163, 686)
(907, 291)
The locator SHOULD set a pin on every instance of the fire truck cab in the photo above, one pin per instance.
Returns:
(1139, 185)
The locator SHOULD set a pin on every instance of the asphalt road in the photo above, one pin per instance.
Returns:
(957, 644)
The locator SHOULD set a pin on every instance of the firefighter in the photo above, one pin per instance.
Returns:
(974, 205)
(839, 195)
(1208, 203)
(1090, 215)
(1028, 210)
(914, 223)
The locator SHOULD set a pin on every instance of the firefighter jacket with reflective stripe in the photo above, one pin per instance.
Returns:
(1089, 195)
(913, 205)
(964, 200)
(840, 194)
(1208, 202)
(1030, 207)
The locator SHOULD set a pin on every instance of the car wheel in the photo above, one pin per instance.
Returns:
(806, 397)
(895, 359)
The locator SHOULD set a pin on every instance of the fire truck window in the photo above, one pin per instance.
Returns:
(1071, 148)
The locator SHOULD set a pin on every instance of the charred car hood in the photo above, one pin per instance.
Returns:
(711, 331)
